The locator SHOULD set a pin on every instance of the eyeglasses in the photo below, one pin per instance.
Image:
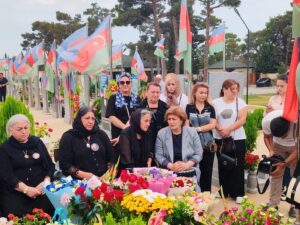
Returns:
(127, 82)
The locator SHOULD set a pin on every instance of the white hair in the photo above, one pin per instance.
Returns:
(13, 120)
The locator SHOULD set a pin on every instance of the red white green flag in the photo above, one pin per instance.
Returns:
(116, 55)
(4, 64)
(185, 38)
(296, 18)
(291, 105)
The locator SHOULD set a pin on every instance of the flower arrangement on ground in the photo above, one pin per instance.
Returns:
(111, 89)
(251, 161)
(38, 216)
(42, 129)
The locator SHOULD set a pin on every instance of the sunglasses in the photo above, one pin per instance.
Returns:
(125, 82)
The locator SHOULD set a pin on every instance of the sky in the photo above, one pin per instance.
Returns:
(16, 17)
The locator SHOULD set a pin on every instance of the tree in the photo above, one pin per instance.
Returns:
(209, 6)
(265, 60)
(47, 32)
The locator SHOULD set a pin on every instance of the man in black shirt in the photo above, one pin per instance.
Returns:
(3, 84)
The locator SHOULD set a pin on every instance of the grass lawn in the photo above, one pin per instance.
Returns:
(259, 100)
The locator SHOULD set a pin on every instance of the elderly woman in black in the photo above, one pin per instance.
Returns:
(85, 150)
(136, 144)
(25, 165)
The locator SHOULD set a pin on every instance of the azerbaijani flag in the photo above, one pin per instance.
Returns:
(217, 40)
(4, 64)
(75, 38)
(137, 66)
(116, 56)
(296, 18)
(177, 56)
(92, 54)
(159, 51)
(291, 105)
(20, 63)
(52, 56)
(185, 38)
(36, 54)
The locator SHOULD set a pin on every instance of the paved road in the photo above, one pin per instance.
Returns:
(262, 90)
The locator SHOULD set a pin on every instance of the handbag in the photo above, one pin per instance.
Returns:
(227, 162)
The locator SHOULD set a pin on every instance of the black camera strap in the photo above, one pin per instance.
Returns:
(265, 186)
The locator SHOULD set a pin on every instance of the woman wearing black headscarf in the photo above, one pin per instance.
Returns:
(85, 150)
(25, 166)
(136, 145)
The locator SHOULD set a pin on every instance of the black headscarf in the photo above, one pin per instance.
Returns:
(78, 128)
(140, 149)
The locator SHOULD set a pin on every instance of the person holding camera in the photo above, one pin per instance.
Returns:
(280, 139)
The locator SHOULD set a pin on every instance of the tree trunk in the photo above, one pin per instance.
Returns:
(208, 12)
(175, 30)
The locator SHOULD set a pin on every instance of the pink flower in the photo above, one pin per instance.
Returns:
(65, 199)
(93, 182)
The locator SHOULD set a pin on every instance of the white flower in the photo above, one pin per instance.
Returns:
(3, 221)
(148, 194)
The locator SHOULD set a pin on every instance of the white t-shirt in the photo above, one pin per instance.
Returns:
(289, 140)
(226, 114)
(182, 99)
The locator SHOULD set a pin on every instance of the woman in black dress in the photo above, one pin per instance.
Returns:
(85, 150)
(136, 144)
(25, 165)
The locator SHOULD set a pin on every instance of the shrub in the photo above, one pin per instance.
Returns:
(251, 132)
(258, 115)
(9, 108)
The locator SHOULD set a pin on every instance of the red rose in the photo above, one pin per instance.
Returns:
(108, 197)
(145, 184)
(133, 188)
(97, 193)
(132, 178)
(140, 180)
(103, 187)
(124, 176)
(15, 218)
(50, 129)
(118, 195)
(37, 123)
(80, 190)
(180, 183)
(48, 217)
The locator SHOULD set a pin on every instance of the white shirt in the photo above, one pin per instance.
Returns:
(182, 99)
(289, 140)
(226, 114)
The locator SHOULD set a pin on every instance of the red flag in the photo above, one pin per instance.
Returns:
(291, 105)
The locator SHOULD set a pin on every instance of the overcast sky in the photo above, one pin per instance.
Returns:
(16, 17)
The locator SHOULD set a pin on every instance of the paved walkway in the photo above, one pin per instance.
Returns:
(59, 126)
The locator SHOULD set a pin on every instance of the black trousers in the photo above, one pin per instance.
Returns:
(206, 168)
(233, 181)
(2, 96)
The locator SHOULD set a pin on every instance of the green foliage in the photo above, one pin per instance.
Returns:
(258, 115)
(110, 220)
(181, 215)
(282, 68)
(9, 108)
(97, 105)
(251, 131)
(265, 60)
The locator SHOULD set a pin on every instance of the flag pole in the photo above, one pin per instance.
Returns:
(110, 50)
(224, 61)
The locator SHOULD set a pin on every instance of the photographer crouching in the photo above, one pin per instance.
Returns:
(280, 139)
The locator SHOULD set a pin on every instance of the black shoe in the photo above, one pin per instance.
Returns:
(292, 212)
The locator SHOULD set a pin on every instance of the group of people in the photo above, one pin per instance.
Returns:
(157, 131)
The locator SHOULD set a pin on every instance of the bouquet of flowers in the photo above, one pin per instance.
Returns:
(251, 161)
(38, 216)
(42, 130)
(111, 89)
(181, 185)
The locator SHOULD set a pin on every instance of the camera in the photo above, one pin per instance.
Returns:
(266, 164)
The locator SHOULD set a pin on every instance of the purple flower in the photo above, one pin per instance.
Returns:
(200, 213)
(241, 218)
(249, 211)
(226, 223)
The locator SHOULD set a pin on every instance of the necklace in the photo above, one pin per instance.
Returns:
(88, 145)
(26, 156)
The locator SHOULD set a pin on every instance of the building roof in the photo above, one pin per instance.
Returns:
(229, 64)
(127, 60)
